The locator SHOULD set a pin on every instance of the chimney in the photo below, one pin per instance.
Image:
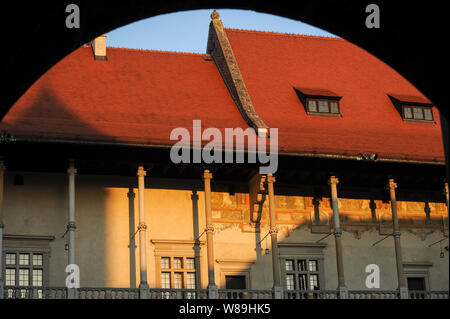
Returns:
(98, 46)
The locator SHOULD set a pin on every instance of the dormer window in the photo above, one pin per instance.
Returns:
(319, 101)
(421, 113)
(413, 108)
(322, 106)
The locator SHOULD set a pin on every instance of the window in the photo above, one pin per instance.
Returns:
(178, 272)
(302, 274)
(25, 264)
(322, 106)
(417, 277)
(235, 282)
(302, 266)
(417, 113)
(416, 283)
(177, 265)
(23, 269)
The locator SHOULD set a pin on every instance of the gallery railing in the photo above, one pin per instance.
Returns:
(27, 292)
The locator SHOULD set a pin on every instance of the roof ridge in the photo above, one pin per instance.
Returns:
(154, 51)
(323, 37)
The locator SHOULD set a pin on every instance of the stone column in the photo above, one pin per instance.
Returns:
(448, 211)
(196, 233)
(2, 176)
(71, 226)
(398, 249)
(446, 194)
(277, 288)
(213, 290)
(142, 228)
(342, 288)
(132, 244)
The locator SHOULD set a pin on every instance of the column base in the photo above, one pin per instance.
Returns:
(403, 293)
(278, 292)
(213, 291)
(2, 291)
(72, 293)
(144, 291)
(343, 292)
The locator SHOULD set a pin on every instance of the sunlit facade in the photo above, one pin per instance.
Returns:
(87, 178)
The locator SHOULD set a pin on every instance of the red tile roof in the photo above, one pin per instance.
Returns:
(136, 96)
(139, 96)
(272, 64)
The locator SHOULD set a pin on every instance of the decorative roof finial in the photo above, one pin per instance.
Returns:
(215, 15)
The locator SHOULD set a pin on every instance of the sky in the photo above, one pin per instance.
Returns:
(187, 31)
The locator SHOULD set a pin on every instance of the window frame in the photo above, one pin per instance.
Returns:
(234, 267)
(31, 245)
(178, 249)
(422, 108)
(296, 272)
(418, 269)
(329, 101)
(302, 251)
(172, 271)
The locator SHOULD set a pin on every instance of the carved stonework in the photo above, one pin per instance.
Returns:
(142, 226)
(141, 172)
(273, 230)
(72, 170)
(421, 232)
(209, 228)
(333, 180)
(215, 15)
(71, 226)
(391, 184)
(206, 174)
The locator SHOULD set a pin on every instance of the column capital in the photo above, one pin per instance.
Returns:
(141, 172)
(391, 184)
(142, 226)
(131, 193)
(337, 232)
(209, 228)
(270, 178)
(333, 180)
(273, 230)
(71, 226)
(194, 195)
(207, 174)
(72, 170)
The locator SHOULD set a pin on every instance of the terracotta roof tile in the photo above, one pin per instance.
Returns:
(271, 64)
(141, 95)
